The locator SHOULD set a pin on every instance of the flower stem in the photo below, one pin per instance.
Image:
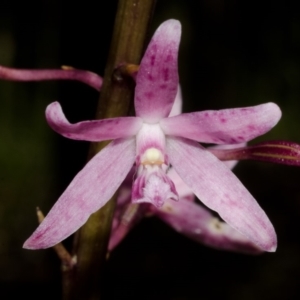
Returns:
(90, 244)
(65, 73)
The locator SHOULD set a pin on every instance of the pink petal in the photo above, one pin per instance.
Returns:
(67, 73)
(177, 106)
(94, 131)
(92, 187)
(227, 126)
(219, 189)
(157, 79)
(197, 223)
(182, 189)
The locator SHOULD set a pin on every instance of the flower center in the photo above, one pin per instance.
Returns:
(152, 185)
(152, 156)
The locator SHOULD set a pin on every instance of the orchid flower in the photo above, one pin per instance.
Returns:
(185, 216)
(153, 141)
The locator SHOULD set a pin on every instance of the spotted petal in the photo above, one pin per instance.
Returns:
(219, 189)
(88, 192)
(93, 131)
(197, 223)
(227, 126)
(157, 79)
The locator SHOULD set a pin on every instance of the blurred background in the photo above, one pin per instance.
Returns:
(233, 53)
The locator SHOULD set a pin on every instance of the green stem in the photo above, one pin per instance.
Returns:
(90, 244)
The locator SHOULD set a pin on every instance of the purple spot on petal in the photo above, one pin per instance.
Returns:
(206, 114)
(169, 58)
(223, 120)
(154, 48)
(163, 86)
(152, 58)
(166, 74)
(150, 77)
(247, 109)
(149, 95)
(251, 127)
(37, 237)
(223, 140)
(240, 138)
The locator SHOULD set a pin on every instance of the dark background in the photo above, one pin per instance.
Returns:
(233, 53)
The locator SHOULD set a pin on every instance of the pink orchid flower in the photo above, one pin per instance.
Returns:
(153, 141)
(185, 216)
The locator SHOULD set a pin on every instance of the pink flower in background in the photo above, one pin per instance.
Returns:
(153, 141)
